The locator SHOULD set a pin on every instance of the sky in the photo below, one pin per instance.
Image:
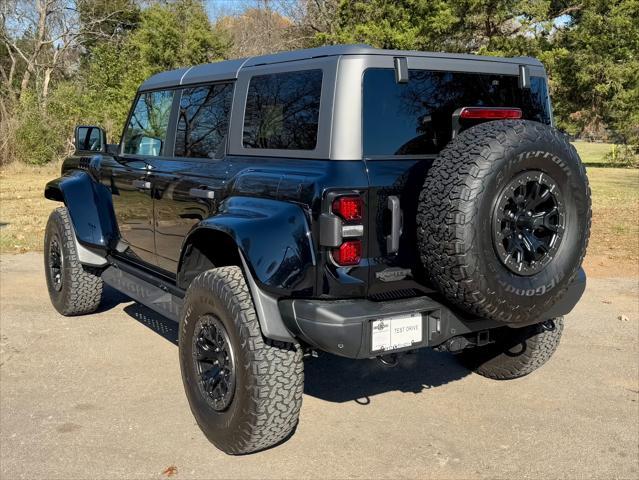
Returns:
(218, 8)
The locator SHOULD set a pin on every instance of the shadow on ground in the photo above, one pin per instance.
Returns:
(111, 298)
(337, 379)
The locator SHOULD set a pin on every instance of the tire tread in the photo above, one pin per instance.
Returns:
(275, 369)
(83, 293)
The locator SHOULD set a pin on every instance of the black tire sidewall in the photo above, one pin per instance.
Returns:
(55, 227)
(219, 427)
(536, 291)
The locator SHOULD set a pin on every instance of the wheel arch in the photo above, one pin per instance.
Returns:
(203, 249)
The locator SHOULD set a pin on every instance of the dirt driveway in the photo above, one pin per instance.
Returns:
(101, 397)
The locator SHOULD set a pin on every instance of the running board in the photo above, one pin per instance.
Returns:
(157, 297)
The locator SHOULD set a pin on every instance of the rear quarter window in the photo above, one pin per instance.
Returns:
(282, 111)
(415, 118)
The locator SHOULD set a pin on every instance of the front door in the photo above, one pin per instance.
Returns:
(132, 181)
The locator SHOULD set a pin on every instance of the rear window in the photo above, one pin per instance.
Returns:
(415, 118)
(282, 111)
(203, 121)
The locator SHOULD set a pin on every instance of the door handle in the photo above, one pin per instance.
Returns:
(392, 240)
(142, 184)
(202, 193)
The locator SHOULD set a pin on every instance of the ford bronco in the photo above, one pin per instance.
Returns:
(344, 199)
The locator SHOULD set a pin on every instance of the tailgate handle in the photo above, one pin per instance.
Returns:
(392, 240)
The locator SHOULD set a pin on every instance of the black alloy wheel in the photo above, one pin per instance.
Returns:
(214, 362)
(528, 222)
(55, 263)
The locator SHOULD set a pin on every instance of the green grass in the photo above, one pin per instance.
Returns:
(599, 155)
(615, 215)
(593, 154)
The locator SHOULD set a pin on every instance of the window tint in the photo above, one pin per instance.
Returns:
(146, 132)
(282, 110)
(203, 122)
(415, 118)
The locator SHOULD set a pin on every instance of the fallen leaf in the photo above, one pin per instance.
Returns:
(170, 471)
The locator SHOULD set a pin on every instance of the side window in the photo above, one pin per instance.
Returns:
(203, 122)
(282, 110)
(146, 132)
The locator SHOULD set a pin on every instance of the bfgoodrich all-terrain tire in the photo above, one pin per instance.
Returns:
(516, 352)
(74, 289)
(245, 391)
(504, 220)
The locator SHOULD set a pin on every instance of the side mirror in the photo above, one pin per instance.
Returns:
(90, 138)
(150, 146)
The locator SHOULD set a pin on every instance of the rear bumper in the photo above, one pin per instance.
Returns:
(344, 327)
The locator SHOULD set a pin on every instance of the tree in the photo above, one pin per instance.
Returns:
(256, 31)
(404, 24)
(45, 35)
(594, 68)
(117, 46)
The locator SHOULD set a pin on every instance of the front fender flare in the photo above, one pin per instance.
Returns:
(90, 207)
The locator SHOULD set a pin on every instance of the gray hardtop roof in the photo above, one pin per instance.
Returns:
(229, 69)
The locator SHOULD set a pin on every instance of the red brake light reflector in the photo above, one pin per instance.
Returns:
(349, 208)
(489, 113)
(348, 253)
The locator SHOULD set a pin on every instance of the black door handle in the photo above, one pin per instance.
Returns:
(202, 193)
(142, 184)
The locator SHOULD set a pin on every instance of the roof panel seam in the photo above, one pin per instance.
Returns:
(184, 74)
(237, 73)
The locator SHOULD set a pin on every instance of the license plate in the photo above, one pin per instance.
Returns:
(392, 333)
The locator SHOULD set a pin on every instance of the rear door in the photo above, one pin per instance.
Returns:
(405, 125)
(188, 186)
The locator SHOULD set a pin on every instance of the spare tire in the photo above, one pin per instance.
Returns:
(504, 219)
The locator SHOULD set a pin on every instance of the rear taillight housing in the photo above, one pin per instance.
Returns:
(489, 113)
(349, 208)
(347, 212)
(348, 253)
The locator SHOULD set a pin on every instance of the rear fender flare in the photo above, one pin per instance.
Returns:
(275, 251)
(273, 237)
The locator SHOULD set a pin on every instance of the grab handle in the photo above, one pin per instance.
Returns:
(392, 240)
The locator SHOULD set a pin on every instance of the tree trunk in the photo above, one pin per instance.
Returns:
(45, 82)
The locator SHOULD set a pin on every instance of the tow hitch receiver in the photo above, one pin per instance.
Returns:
(459, 343)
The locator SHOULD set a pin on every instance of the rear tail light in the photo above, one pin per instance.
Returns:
(489, 113)
(348, 253)
(349, 208)
(345, 229)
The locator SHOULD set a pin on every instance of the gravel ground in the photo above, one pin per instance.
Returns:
(101, 397)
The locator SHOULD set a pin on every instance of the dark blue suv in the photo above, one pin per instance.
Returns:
(357, 201)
